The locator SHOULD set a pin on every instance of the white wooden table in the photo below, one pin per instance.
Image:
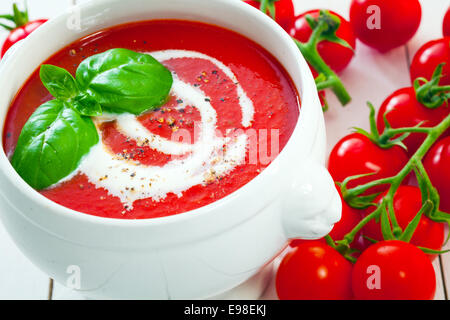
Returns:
(370, 77)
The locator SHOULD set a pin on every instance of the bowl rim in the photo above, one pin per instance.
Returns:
(55, 208)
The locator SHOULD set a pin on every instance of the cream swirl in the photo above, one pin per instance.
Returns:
(210, 155)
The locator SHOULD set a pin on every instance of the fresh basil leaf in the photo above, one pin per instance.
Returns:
(58, 81)
(125, 81)
(86, 105)
(52, 143)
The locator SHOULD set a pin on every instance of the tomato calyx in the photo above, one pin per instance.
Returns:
(343, 247)
(429, 93)
(387, 138)
(331, 23)
(384, 210)
(18, 18)
(390, 137)
(407, 234)
(430, 193)
(354, 197)
(268, 6)
(324, 27)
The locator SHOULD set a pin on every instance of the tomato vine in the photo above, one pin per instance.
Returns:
(357, 198)
(324, 28)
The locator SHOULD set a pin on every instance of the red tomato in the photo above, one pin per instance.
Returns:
(406, 111)
(349, 219)
(407, 203)
(355, 154)
(385, 24)
(428, 57)
(446, 24)
(314, 271)
(393, 270)
(284, 12)
(20, 33)
(437, 165)
(335, 55)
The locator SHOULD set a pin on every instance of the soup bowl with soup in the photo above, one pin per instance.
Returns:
(188, 199)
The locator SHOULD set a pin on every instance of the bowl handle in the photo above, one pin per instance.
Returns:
(312, 204)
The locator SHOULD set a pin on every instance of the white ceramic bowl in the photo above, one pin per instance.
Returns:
(198, 254)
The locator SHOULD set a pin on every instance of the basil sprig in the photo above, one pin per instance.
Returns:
(60, 132)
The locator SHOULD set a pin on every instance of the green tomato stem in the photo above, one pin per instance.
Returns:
(350, 237)
(20, 17)
(309, 51)
(412, 226)
(356, 191)
(330, 241)
(393, 132)
(6, 27)
(325, 84)
(396, 229)
(429, 93)
(263, 6)
(435, 90)
(433, 134)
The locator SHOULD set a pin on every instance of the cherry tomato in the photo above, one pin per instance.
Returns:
(349, 219)
(405, 111)
(284, 12)
(446, 24)
(336, 56)
(393, 270)
(437, 165)
(20, 33)
(355, 154)
(385, 24)
(314, 271)
(407, 203)
(428, 57)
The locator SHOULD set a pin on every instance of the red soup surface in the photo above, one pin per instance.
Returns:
(245, 91)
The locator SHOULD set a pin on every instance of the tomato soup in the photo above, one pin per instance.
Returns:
(232, 107)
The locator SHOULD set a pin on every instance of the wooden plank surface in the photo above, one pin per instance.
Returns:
(19, 278)
(370, 77)
(445, 265)
(433, 12)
